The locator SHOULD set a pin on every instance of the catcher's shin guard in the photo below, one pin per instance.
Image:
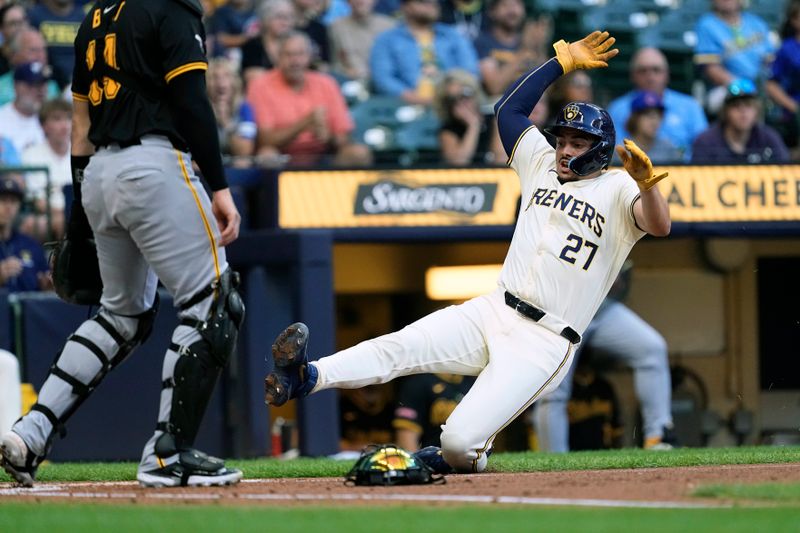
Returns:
(197, 365)
(98, 346)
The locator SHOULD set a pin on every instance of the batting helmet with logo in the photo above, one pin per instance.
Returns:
(595, 121)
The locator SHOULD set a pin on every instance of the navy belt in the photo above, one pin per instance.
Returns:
(536, 314)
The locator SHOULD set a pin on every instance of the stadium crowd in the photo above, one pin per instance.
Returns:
(354, 83)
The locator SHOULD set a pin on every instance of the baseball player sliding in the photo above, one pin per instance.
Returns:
(577, 224)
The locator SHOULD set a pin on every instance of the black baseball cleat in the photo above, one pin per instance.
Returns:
(293, 376)
(17, 461)
(192, 469)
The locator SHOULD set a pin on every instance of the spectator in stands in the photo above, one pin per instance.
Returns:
(10, 390)
(424, 402)
(684, 118)
(56, 120)
(573, 87)
(466, 136)
(739, 136)
(510, 46)
(731, 44)
(352, 38)
(408, 60)
(260, 53)
(28, 46)
(309, 21)
(236, 124)
(469, 17)
(783, 87)
(23, 266)
(9, 157)
(541, 111)
(19, 119)
(335, 10)
(390, 8)
(12, 19)
(365, 416)
(302, 113)
(643, 127)
(58, 21)
(232, 25)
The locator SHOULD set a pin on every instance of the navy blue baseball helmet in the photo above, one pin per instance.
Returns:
(595, 121)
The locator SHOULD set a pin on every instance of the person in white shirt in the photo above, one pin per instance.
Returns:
(19, 119)
(47, 188)
(10, 390)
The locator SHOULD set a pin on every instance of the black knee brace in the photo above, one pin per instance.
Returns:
(200, 364)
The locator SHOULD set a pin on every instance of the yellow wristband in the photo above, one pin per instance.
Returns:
(563, 56)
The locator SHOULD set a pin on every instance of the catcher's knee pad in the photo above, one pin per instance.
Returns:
(460, 453)
(220, 329)
(97, 347)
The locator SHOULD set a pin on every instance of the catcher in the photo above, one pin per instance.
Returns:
(578, 222)
(140, 110)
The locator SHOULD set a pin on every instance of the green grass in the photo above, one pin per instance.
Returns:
(32, 518)
(782, 493)
(778, 512)
(501, 462)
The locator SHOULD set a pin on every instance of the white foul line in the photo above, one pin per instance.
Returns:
(62, 491)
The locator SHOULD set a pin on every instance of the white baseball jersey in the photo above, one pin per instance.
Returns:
(571, 239)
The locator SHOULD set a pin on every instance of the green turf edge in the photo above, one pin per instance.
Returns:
(49, 518)
(500, 462)
(762, 492)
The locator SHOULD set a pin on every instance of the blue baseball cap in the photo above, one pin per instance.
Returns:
(33, 73)
(10, 186)
(644, 100)
(741, 88)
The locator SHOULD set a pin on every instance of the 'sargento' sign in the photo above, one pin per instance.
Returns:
(389, 197)
(397, 198)
(489, 196)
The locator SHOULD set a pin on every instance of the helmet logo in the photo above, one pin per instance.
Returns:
(572, 112)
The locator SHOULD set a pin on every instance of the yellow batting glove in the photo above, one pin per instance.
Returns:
(590, 52)
(639, 166)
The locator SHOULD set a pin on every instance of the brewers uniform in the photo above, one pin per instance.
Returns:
(569, 243)
(139, 84)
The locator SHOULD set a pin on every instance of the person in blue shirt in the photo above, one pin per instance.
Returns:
(783, 87)
(739, 136)
(23, 266)
(8, 154)
(58, 20)
(408, 60)
(684, 118)
(232, 24)
(731, 44)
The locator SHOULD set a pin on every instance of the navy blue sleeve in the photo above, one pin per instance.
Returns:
(513, 109)
(40, 263)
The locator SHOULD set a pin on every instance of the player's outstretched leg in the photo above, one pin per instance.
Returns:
(293, 376)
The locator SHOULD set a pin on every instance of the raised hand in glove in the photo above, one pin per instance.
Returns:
(590, 52)
(638, 165)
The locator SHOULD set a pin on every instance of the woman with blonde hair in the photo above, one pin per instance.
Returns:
(466, 135)
(259, 54)
(236, 124)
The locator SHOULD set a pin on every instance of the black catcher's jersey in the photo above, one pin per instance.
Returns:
(126, 52)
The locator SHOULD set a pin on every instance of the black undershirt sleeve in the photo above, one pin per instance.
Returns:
(195, 121)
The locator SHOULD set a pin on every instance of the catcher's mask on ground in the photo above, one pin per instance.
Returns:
(593, 121)
(389, 465)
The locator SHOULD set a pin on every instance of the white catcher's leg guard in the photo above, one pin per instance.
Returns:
(97, 347)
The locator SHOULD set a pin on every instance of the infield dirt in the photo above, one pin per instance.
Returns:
(660, 486)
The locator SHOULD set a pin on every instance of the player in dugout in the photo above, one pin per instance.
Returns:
(578, 222)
